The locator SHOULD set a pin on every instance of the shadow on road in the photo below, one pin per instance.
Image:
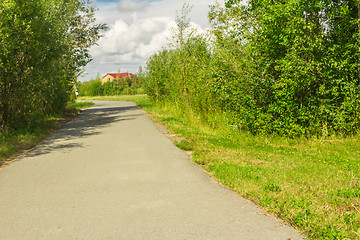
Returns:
(89, 123)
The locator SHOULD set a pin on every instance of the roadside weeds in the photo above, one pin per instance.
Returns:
(15, 143)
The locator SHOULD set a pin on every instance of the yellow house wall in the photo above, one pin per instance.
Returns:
(106, 78)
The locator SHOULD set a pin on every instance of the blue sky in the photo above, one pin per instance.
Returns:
(137, 29)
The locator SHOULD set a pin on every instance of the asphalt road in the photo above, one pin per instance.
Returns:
(111, 174)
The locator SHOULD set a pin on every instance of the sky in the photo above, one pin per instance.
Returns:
(137, 29)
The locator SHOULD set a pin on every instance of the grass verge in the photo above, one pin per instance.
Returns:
(313, 184)
(141, 100)
(15, 142)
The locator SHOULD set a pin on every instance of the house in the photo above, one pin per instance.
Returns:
(117, 76)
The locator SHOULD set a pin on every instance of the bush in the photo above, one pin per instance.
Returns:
(279, 68)
(94, 87)
(42, 57)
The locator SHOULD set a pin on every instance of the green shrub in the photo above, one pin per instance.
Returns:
(126, 86)
(47, 45)
(296, 75)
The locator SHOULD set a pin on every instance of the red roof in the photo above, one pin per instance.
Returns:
(121, 75)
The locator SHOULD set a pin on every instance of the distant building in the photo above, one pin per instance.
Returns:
(116, 76)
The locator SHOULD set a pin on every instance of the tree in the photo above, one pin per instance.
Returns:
(302, 64)
(43, 48)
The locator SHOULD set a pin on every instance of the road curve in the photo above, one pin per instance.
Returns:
(110, 174)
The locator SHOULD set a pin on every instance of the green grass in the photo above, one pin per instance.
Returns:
(313, 184)
(185, 145)
(142, 100)
(14, 142)
(75, 107)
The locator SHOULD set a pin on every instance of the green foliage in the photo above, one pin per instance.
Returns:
(75, 107)
(281, 68)
(185, 145)
(302, 75)
(179, 75)
(125, 86)
(43, 47)
(113, 88)
(272, 187)
(90, 88)
(14, 141)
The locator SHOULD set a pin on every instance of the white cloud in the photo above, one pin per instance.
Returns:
(135, 35)
(123, 38)
(131, 5)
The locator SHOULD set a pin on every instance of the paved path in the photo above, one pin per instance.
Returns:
(110, 174)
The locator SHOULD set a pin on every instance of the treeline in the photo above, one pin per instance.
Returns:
(126, 86)
(43, 48)
(287, 68)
